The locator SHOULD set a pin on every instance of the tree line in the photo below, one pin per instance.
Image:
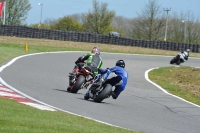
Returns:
(150, 23)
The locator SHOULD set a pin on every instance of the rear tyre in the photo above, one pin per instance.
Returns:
(77, 85)
(105, 93)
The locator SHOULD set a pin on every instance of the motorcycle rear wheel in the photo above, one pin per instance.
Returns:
(103, 94)
(77, 85)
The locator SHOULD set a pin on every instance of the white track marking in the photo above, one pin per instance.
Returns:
(147, 78)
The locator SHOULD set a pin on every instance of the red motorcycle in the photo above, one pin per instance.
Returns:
(80, 79)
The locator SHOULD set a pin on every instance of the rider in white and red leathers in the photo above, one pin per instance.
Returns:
(184, 56)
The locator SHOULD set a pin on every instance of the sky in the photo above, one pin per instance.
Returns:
(54, 9)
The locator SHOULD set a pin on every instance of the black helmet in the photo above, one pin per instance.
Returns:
(120, 63)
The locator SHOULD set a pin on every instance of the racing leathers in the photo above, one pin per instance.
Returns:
(92, 60)
(119, 81)
(183, 56)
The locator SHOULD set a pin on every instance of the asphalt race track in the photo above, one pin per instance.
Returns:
(141, 107)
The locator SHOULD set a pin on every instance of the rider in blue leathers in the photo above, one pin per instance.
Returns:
(120, 79)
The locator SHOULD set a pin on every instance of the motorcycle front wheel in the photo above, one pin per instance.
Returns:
(173, 61)
(105, 93)
(86, 96)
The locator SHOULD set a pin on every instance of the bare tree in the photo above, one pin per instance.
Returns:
(192, 29)
(150, 22)
(176, 28)
(122, 25)
(99, 19)
(49, 21)
(193, 32)
(184, 27)
(77, 17)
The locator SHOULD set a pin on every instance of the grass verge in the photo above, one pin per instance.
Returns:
(19, 118)
(180, 81)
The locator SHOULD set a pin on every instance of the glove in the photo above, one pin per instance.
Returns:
(100, 70)
(78, 60)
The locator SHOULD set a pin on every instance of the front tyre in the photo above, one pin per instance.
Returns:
(178, 63)
(77, 85)
(173, 61)
(103, 94)
(86, 96)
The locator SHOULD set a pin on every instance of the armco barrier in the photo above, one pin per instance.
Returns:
(29, 32)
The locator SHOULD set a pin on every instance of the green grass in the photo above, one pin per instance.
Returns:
(19, 118)
(180, 81)
(9, 51)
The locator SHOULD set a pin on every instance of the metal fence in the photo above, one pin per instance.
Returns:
(29, 32)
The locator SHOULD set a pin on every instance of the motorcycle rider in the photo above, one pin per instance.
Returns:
(93, 60)
(183, 56)
(119, 81)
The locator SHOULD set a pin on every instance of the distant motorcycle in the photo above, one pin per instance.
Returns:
(177, 60)
(80, 80)
(99, 89)
(180, 58)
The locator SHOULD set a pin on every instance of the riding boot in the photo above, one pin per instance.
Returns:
(69, 88)
(113, 95)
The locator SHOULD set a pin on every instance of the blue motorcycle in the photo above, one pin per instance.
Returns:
(100, 89)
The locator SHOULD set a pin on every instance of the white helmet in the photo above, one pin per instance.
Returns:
(185, 53)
